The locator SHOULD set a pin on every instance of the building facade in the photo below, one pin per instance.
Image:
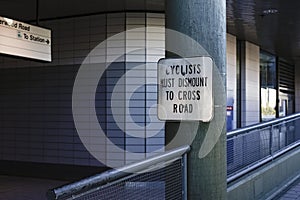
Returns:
(37, 122)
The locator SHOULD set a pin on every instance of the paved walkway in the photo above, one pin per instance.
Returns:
(291, 193)
(22, 188)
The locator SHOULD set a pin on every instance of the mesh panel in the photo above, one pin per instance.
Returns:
(251, 147)
(164, 183)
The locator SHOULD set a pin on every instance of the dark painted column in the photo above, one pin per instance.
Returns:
(205, 22)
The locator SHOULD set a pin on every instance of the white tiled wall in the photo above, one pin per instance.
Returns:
(231, 75)
(141, 63)
(36, 116)
(251, 91)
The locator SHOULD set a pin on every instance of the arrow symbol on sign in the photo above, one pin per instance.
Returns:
(47, 41)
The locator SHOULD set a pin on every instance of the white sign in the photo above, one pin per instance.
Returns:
(185, 89)
(25, 40)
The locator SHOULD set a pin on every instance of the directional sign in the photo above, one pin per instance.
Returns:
(25, 40)
(185, 89)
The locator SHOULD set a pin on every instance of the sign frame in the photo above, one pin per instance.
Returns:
(20, 39)
(185, 96)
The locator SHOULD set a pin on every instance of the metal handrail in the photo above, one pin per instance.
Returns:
(262, 125)
(109, 176)
(87, 184)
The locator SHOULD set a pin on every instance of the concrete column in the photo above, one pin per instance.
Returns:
(205, 22)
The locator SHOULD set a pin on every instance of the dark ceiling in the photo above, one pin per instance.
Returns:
(48, 9)
(272, 24)
(251, 20)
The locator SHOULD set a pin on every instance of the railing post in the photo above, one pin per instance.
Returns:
(184, 176)
(271, 140)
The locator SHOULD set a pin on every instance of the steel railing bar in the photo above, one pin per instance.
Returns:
(89, 183)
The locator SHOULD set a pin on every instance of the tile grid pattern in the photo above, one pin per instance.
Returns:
(36, 98)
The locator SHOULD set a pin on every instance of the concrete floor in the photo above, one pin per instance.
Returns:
(23, 188)
(291, 193)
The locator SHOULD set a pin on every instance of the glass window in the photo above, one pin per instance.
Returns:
(286, 87)
(268, 86)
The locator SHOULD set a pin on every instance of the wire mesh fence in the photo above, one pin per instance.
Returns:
(165, 177)
(254, 145)
(162, 177)
(164, 183)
